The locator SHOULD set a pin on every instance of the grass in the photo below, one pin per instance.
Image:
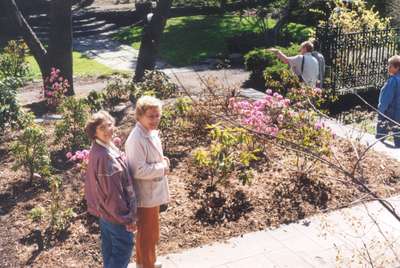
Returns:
(187, 40)
(83, 66)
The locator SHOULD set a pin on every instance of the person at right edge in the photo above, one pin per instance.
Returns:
(389, 104)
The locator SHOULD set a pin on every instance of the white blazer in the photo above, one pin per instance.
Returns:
(145, 160)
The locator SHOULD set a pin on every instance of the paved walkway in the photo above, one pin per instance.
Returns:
(352, 133)
(341, 238)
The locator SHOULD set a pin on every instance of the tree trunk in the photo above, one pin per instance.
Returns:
(151, 36)
(60, 42)
(39, 52)
(59, 54)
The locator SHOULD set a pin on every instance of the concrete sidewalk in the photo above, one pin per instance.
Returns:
(349, 132)
(342, 238)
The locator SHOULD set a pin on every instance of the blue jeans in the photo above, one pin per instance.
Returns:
(384, 126)
(116, 244)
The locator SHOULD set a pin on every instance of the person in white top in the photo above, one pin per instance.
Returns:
(149, 167)
(305, 65)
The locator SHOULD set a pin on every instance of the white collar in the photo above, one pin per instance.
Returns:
(111, 148)
(145, 132)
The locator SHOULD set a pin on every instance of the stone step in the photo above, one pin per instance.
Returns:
(43, 19)
(80, 27)
(106, 30)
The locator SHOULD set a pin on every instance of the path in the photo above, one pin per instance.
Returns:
(331, 240)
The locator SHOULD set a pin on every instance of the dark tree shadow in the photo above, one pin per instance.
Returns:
(44, 241)
(216, 208)
(289, 197)
(20, 191)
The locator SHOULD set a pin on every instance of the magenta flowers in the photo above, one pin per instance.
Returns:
(266, 115)
(55, 88)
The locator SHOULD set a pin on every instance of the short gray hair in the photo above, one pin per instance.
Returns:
(146, 102)
(308, 45)
(395, 61)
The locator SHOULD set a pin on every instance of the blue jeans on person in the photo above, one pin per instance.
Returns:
(116, 244)
(384, 126)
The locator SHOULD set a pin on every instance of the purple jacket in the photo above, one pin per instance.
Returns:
(108, 186)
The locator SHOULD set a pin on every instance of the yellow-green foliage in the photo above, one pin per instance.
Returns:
(357, 17)
(30, 151)
(231, 150)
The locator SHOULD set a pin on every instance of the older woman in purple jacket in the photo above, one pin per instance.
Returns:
(109, 193)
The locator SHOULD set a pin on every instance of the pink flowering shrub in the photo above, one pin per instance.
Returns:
(55, 88)
(277, 116)
(307, 97)
(81, 157)
(267, 115)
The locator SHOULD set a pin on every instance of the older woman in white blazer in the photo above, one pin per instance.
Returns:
(149, 168)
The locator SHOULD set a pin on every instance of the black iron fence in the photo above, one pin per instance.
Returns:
(356, 61)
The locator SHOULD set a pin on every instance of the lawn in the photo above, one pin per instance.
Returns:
(187, 40)
(83, 66)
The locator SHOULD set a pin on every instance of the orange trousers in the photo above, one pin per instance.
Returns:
(147, 236)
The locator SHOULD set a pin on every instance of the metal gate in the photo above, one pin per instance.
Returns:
(356, 61)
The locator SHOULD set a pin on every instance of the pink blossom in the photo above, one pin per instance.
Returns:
(69, 155)
(317, 90)
(318, 125)
(269, 91)
(117, 141)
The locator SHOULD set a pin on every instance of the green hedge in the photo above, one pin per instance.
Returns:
(265, 67)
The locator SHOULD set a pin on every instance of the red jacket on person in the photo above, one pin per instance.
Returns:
(109, 188)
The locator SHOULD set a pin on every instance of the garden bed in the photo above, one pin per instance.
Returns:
(276, 195)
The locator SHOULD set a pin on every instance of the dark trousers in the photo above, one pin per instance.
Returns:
(116, 244)
(384, 126)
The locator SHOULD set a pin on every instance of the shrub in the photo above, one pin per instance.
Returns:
(95, 101)
(355, 17)
(9, 109)
(70, 132)
(280, 79)
(59, 217)
(30, 152)
(55, 87)
(12, 61)
(36, 214)
(154, 83)
(296, 33)
(116, 91)
(257, 60)
(277, 117)
(231, 150)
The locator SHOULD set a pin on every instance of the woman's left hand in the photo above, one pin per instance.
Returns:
(131, 227)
